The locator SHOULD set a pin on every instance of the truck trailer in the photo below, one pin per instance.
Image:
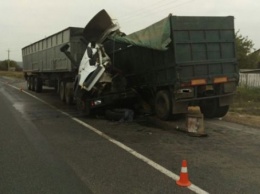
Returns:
(173, 64)
(45, 64)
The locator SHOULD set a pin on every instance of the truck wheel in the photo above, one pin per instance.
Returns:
(115, 115)
(62, 91)
(82, 107)
(32, 83)
(222, 111)
(69, 93)
(163, 105)
(37, 84)
(29, 83)
(209, 108)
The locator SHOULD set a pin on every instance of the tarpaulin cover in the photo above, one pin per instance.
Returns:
(157, 36)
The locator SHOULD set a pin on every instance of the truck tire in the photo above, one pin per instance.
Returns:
(69, 93)
(29, 83)
(209, 108)
(32, 83)
(163, 105)
(115, 114)
(222, 111)
(62, 91)
(37, 84)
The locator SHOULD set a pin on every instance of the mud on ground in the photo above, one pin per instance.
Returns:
(245, 119)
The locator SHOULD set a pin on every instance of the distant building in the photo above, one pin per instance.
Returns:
(256, 71)
(249, 78)
(12, 69)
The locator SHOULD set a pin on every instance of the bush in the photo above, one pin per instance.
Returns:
(4, 65)
(247, 100)
(248, 94)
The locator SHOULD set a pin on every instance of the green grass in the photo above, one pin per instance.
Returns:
(14, 74)
(247, 101)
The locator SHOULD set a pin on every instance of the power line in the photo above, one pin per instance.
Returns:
(158, 11)
(153, 5)
(138, 13)
(178, 5)
(16, 50)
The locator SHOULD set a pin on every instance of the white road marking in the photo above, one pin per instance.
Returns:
(151, 163)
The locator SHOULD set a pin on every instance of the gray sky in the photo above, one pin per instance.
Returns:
(26, 21)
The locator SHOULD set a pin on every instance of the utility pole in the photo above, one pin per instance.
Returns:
(8, 59)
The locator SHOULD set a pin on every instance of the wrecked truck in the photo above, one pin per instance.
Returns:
(173, 64)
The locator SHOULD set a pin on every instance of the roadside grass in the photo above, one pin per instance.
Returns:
(246, 101)
(15, 74)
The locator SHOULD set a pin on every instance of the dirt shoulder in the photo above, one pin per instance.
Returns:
(235, 117)
(245, 119)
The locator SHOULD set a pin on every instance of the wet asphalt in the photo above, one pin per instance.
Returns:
(28, 164)
(44, 151)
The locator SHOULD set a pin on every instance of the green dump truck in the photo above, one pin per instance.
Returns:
(172, 64)
(180, 61)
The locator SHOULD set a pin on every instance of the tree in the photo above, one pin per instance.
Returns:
(4, 65)
(254, 58)
(247, 58)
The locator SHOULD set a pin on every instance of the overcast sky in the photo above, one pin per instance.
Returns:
(26, 21)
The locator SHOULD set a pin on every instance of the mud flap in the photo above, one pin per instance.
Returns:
(226, 100)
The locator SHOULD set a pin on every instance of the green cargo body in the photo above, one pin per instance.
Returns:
(204, 47)
(200, 47)
(44, 56)
(180, 61)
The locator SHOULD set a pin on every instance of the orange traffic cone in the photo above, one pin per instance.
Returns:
(184, 178)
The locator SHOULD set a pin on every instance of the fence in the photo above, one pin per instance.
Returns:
(249, 79)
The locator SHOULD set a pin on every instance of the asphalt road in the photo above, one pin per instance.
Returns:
(43, 150)
(28, 164)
